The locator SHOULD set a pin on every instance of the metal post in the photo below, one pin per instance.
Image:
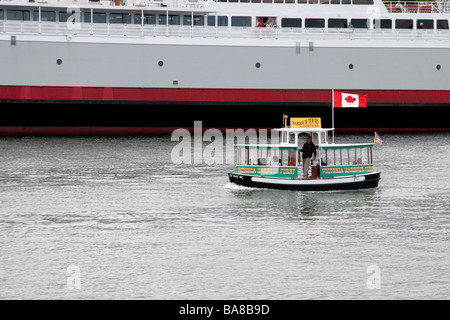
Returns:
(39, 19)
(192, 24)
(332, 113)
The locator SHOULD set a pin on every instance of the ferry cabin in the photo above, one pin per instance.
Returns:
(283, 160)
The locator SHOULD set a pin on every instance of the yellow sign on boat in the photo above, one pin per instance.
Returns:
(306, 123)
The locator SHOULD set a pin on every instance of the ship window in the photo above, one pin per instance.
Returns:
(1, 15)
(148, 19)
(403, 24)
(335, 2)
(198, 20)
(18, 15)
(174, 20)
(314, 23)
(363, 2)
(98, 17)
(382, 23)
(337, 23)
(45, 16)
(119, 18)
(360, 23)
(302, 1)
(291, 23)
(346, 1)
(256, 1)
(241, 21)
(222, 21)
(442, 24)
(64, 16)
(425, 24)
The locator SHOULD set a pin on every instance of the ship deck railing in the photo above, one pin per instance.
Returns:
(418, 6)
(136, 31)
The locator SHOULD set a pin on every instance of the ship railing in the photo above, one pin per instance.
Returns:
(442, 6)
(135, 30)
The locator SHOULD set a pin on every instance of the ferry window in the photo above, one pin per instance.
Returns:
(198, 20)
(403, 24)
(173, 20)
(274, 157)
(302, 1)
(315, 23)
(241, 1)
(256, 1)
(289, 1)
(45, 16)
(382, 23)
(424, 24)
(364, 2)
(18, 15)
(119, 18)
(98, 17)
(337, 23)
(360, 23)
(442, 24)
(291, 23)
(1, 15)
(222, 21)
(345, 156)
(241, 21)
(330, 158)
(335, 2)
(148, 19)
(346, 1)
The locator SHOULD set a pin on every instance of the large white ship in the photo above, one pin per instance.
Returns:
(144, 66)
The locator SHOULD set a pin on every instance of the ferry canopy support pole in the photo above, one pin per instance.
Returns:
(332, 113)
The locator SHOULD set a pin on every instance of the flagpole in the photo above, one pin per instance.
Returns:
(332, 113)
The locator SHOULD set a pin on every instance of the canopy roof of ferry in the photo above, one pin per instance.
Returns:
(334, 146)
(290, 146)
(284, 146)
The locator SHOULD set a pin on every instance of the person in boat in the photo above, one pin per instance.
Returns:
(276, 161)
(308, 150)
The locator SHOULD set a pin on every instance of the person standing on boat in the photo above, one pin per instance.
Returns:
(308, 150)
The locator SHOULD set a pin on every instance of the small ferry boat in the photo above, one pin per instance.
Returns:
(279, 165)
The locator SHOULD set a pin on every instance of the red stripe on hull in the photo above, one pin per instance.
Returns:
(52, 93)
(167, 130)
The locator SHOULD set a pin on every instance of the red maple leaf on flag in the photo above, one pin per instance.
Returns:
(350, 99)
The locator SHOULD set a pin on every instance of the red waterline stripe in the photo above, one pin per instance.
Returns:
(17, 130)
(50, 93)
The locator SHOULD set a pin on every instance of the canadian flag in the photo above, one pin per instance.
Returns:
(349, 100)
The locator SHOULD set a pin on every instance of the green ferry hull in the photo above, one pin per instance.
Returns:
(362, 181)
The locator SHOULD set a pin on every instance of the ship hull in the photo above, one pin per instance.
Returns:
(40, 110)
(83, 84)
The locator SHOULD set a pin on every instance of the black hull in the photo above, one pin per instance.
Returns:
(20, 117)
(370, 181)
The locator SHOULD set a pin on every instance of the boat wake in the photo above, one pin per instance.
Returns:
(233, 186)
